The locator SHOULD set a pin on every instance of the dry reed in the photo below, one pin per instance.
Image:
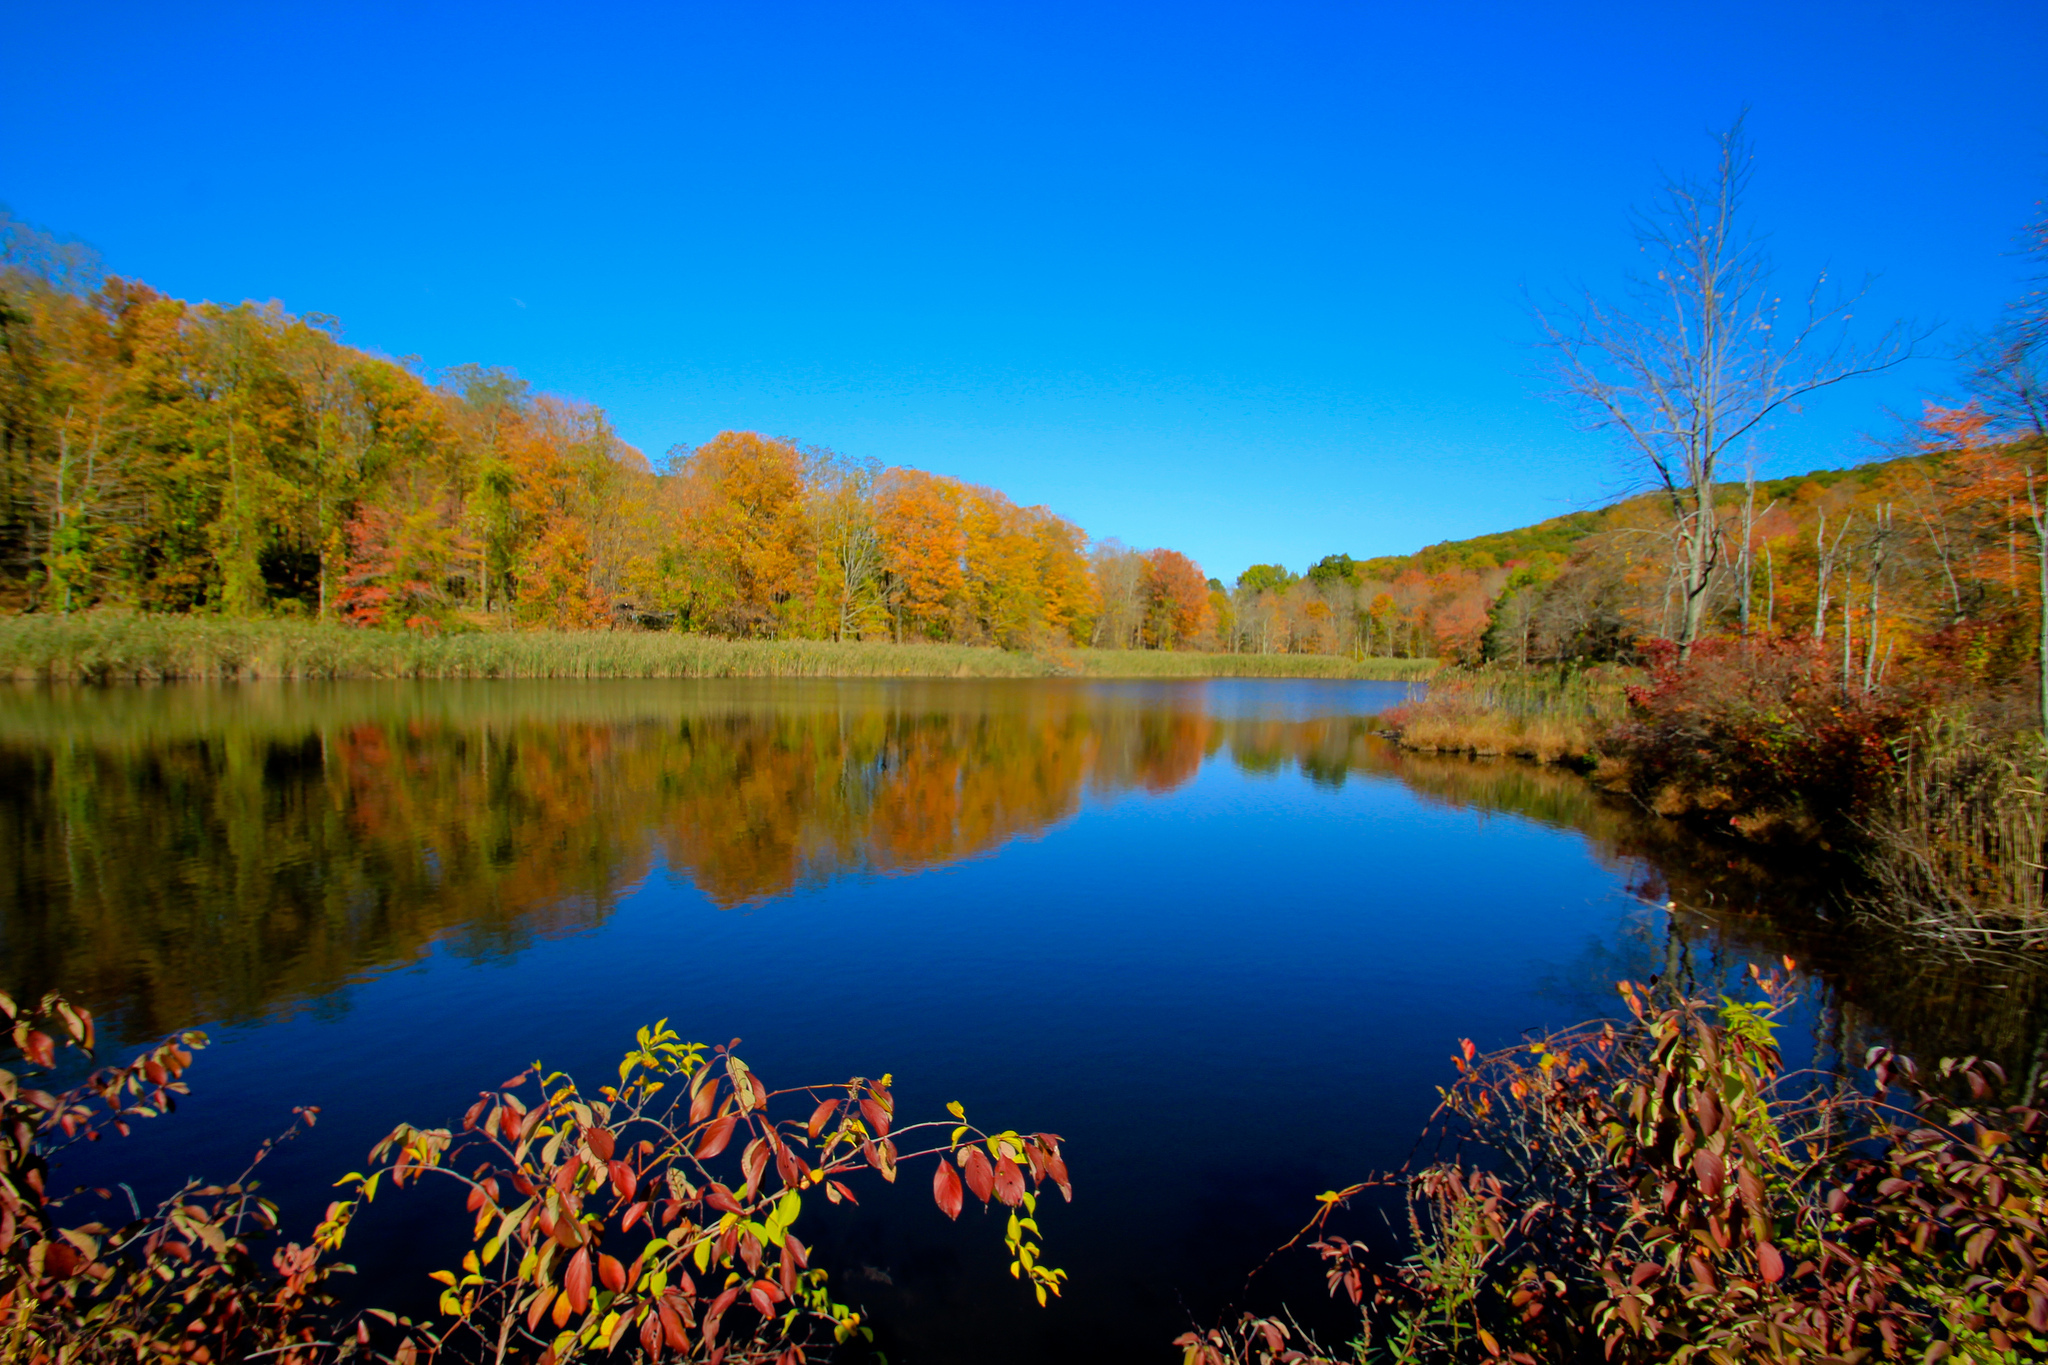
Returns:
(111, 646)
(1957, 850)
(1546, 716)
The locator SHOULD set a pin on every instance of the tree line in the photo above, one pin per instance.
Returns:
(195, 458)
(168, 456)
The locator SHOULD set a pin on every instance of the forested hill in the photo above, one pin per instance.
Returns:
(1590, 584)
(1555, 540)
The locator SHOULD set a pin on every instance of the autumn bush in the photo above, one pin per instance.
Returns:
(650, 1219)
(1659, 1188)
(1764, 736)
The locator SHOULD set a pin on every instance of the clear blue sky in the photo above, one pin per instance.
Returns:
(1243, 280)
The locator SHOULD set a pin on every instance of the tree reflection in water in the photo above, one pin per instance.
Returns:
(179, 855)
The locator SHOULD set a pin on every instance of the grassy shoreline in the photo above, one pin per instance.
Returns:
(120, 647)
(1533, 714)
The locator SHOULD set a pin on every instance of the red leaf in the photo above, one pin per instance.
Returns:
(820, 1116)
(715, 1136)
(877, 1117)
(764, 1303)
(946, 1189)
(539, 1306)
(576, 1280)
(624, 1182)
(754, 1162)
(1770, 1262)
(1009, 1182)
(980, 1178)
(40, 1049)
(720, 1198)
(633, 1215)
(1706, 1166)
(717, 1311)
(843, 1192)
(611, 1273)
(672, 1327)
(600, 1142)
(701, 1102)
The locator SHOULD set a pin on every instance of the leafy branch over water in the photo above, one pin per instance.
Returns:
(1661, 1189)
(604, 1221)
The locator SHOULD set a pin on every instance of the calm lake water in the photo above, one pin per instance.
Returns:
(1218, 935)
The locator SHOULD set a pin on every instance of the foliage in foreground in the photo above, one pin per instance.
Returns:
(649, 1220)
(1660, 1189)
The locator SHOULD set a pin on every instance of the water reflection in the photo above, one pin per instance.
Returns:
(180, 855)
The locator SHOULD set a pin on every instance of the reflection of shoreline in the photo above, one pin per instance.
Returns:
(230, 853)
(1736, 905)
(227, 854)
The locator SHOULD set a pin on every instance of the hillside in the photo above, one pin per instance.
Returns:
(1553, 541)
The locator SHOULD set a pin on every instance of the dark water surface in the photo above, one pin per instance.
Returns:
(1217, 934)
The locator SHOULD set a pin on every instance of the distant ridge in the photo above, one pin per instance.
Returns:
(1553, 540)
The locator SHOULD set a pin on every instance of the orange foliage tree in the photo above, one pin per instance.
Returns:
(1177, 600)
(924, 546)
(742, 546)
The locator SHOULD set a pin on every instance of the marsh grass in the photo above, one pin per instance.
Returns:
(1547, 716)
(102, 647)
(1958, 846)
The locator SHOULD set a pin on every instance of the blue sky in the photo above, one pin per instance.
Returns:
(1242, 280)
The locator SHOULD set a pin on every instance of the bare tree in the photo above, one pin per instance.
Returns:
(1826, 558)
(1697, 356)
(1120, 572)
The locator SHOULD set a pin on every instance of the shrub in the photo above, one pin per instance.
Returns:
(1763, 735)
(654, 1218)
(1658, 1189)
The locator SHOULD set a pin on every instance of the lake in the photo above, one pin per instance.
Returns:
(1219, 935)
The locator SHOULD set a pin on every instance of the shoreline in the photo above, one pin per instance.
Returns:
(131, 648)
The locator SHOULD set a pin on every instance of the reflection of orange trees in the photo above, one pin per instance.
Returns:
(177, 872)
(223, 877)
(758, 808)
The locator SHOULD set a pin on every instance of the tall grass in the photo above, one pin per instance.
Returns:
(1958, 846)
(1547, 715)
(118, 646)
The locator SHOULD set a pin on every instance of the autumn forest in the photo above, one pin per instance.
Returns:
(240, 461)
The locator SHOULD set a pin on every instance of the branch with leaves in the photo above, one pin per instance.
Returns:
(661, 1211)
